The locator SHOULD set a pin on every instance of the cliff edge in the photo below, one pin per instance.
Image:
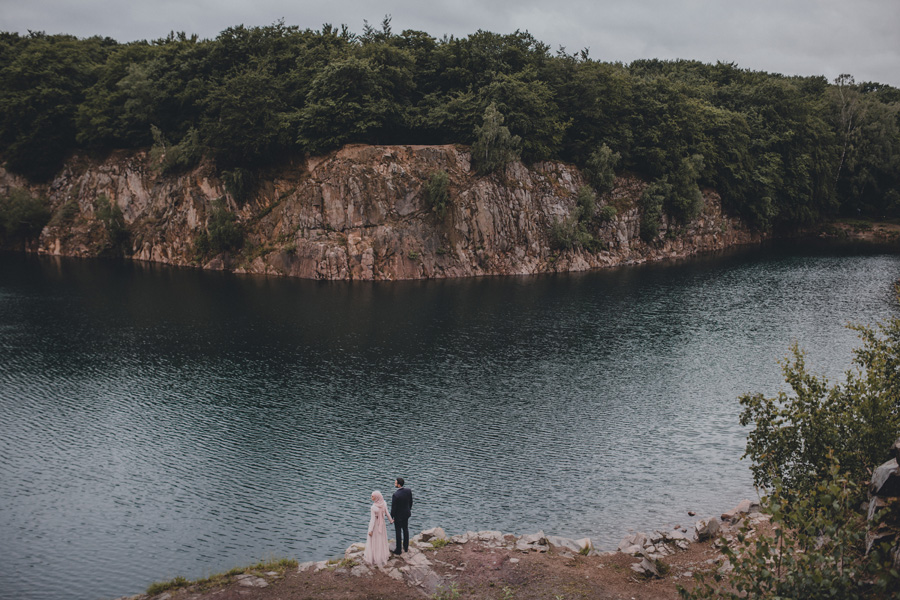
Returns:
(360, 214)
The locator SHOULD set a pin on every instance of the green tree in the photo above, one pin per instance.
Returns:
(529, 112)
(494, 146)
(600, 168)
(651, 204)
(42, 82)
(246, 120)
(346, 103)
(685, 199)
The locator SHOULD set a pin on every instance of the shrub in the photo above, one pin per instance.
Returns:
(585, 204)
(608, 213)
(814, 449)
(113, 221)
(856, 420)
(171, 158)
(22, 217)
(223, 232)
(437, 193)
(439, 542)
(65, 213)
(817, 550)
(651, 205)
(684, 199)
(574, 231)
(494, 146)
(240, 183)
(600, 168)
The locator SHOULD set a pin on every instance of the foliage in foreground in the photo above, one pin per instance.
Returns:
(817, 550)
(815, 450)
(856, 421)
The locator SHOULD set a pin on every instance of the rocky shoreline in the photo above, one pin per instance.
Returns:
(465, 563)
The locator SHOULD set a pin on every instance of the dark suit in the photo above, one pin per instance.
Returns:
(401, 509)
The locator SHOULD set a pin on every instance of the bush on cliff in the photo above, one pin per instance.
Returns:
(494, 146)
(437, 193)
(113, 221)
(600, 168)
(575, 230)
(651, 204)
(223, 233)
(21, 217)
(171, 158)
(240, 183)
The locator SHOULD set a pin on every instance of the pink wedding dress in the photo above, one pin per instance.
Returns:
(377, 551)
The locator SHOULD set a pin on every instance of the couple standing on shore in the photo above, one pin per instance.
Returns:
(377, 551)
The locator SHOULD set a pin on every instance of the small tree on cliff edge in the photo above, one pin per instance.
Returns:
(494, 145)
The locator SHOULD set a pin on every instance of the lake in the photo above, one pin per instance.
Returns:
(160, 422)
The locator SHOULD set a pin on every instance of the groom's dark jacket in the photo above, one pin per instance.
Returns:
(401, 504)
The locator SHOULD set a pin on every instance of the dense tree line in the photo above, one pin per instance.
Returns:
(782, 151)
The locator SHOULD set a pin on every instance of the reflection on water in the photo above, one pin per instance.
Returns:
(161, 422)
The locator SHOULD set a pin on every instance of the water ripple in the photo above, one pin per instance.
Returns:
(163, 422)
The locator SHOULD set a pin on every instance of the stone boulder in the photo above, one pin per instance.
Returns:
(646, 567)
(435, 533)
(533, 542)
(562, 543)
(744, 507)
(707, 528)
(248, 580)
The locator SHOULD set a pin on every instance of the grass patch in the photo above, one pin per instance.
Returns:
(275, 564)
(450, 592)
(439, 543)
(278, 565)
(163, 586)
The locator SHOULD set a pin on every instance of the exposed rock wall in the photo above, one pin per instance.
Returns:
(359, 213)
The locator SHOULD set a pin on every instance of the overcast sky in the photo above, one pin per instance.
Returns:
(803, 37)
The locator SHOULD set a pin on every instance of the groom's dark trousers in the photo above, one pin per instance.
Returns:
(401, 527)
(401, 509)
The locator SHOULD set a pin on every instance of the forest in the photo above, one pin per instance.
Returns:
(783, 151)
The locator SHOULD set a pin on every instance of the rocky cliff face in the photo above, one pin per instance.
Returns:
(360, 213)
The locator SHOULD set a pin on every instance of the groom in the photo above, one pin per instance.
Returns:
(401, 505)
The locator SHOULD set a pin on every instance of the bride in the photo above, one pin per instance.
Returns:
(377, 552)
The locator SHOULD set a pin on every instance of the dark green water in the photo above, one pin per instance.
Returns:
(160, 422)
